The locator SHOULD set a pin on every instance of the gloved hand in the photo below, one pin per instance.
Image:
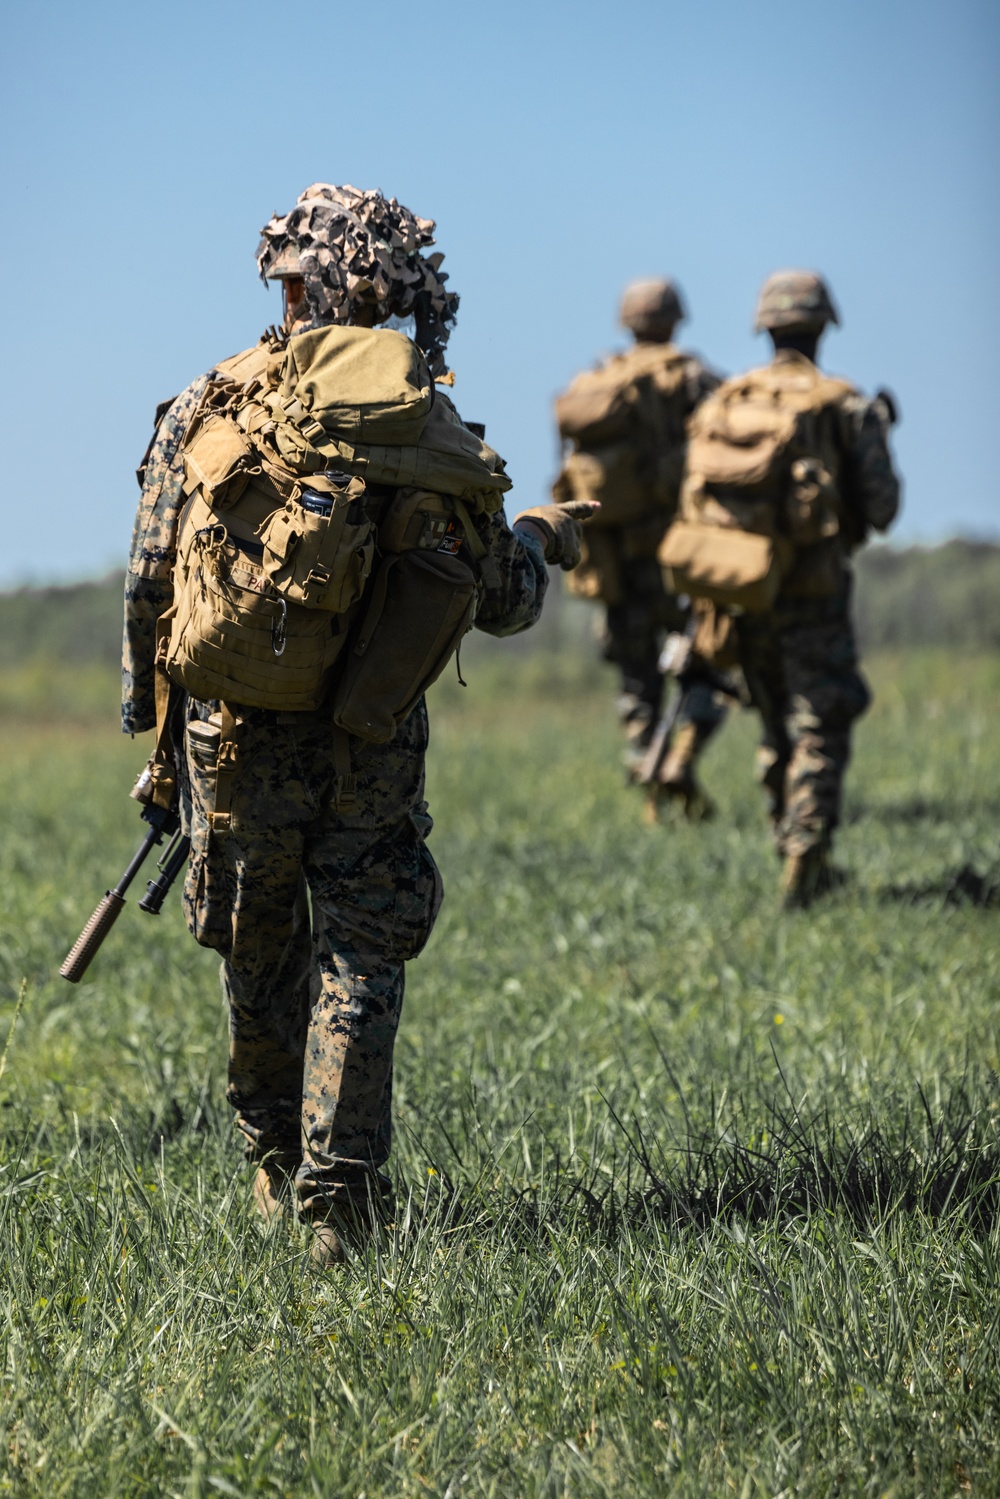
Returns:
(560, 526)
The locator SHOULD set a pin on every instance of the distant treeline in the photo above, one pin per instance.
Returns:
(945, 595)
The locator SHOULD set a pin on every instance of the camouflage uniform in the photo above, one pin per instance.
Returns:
(800, 662)
(639, 612)
(315, 910)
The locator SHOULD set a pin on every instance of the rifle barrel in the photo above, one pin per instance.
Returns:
(80, 955)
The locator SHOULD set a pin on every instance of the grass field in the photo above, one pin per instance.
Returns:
(693, 1198)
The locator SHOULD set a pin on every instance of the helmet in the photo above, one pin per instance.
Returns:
(795, 299)
(284, 264)
(651, 308)
(355, 249)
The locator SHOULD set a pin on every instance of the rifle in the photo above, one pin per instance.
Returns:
(163, 822)
(679, 660)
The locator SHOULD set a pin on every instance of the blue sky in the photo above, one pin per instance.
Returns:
(562, 148)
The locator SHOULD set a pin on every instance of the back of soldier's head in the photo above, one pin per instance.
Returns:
(794, 303)
(652, 308)
(359, 256)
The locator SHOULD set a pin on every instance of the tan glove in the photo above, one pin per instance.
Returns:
(560, 525)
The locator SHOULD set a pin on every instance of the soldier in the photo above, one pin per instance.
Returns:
(789, 470)
(624, 426)
(314, 899)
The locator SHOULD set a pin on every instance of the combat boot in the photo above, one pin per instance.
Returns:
(676, 781)
(272, 1185)
(327, 1248)
(343, 1227)
(806, 876)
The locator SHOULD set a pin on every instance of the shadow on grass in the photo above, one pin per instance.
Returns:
(765, 1161)
(786, 1165)
(961, 887)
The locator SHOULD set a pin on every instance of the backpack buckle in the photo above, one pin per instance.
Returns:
(345, 793)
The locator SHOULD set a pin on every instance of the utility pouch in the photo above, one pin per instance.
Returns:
(318, 548)
(233, 637)
(422, 603)
(417, 519)
(219, 458)
(742, 569)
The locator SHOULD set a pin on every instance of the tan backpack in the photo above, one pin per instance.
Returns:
(620, 418)
(760, 485)
(294, 466)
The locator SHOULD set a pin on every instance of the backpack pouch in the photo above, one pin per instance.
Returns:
(219, 458)
(320, 560)
(597, 408)
(234, 638)
(612, 476)
(739, 568)
(417, 519)
(422, 604)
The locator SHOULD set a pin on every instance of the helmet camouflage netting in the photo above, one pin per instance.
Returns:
(358, 248)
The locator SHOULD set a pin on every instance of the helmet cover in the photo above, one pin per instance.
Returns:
(795, 299)
(652, 307)
(358, 249)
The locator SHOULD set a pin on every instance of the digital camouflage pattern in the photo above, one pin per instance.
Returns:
(633, 635)
(795, 299)
(357, 248)
(149, 589)
(800, 665)
(314, 1007)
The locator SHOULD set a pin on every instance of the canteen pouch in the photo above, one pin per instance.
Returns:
(207, 906)
(742, 569)
(320, 561)
(421, 605)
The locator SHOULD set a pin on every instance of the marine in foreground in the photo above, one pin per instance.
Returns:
(317, 530)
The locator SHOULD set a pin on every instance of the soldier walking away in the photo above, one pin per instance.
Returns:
(623, 428)
(788, 472)
(316, 531)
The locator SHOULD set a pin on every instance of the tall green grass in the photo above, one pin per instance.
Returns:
(692, 1197)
